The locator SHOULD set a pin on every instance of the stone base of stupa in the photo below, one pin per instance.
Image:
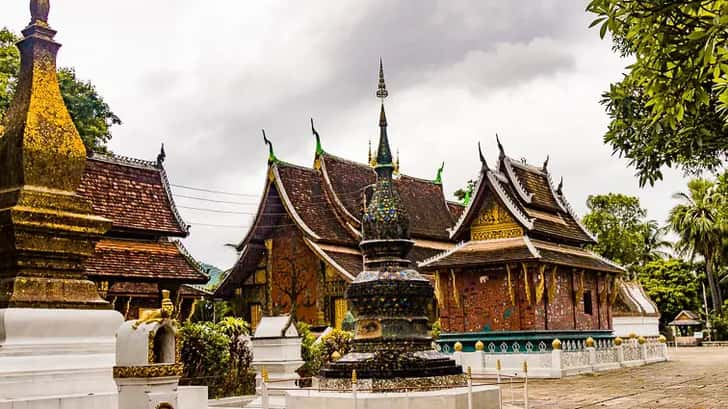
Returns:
(57, 358)
(484, 397)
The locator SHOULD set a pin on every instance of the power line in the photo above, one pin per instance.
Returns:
(199, 189)
(214, 201)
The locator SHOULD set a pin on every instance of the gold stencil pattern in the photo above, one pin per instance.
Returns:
(494, 222)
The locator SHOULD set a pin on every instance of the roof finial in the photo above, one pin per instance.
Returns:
(384, 153)
(560, 189)
(271, 155)
(162, 156)
(546, 164)
(500, 147)
(438, 178)
(382, 88)
(482, 157)
(319, 148)
(396, 164)
(39, 10)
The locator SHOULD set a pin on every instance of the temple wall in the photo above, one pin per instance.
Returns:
(294, 265)
(484, 303)
(560, 310)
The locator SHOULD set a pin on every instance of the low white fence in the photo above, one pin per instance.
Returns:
(574, 357)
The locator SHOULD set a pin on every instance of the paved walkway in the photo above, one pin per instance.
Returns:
(695, 378)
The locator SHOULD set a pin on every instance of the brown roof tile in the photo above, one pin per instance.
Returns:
(424, 200)
(133, 194)
(143, 260)
(304, 191)
(456, 209)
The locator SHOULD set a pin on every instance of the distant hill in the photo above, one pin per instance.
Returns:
(214, 273)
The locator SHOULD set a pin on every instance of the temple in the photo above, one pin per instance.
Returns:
(513, 259)
(521, 263)
(141, 254)
(303, 246)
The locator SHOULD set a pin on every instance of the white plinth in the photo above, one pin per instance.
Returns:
(57, 358)
(484, 397)
(278, 352)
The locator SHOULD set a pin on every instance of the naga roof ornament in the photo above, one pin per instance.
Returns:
(161, 157)
(319, 148)
(483, 162)
(438, 178)
(271, 155)
(500, 147)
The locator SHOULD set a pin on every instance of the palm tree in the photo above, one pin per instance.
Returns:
(698, 223)
(655, 246)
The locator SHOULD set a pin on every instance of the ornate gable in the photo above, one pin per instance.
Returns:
(494, 222)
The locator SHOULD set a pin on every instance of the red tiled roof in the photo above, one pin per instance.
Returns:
(133, 194)
(302, 186)
(456, 209)
(158, 260)
(424, 200)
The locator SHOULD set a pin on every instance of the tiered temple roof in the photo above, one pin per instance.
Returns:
(325, 204)
(138, 251)
(540, 223)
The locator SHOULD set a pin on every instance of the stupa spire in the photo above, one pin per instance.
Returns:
(384, 152)
(46, 230)
(389, 297)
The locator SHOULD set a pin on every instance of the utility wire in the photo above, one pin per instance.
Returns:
(199, 189)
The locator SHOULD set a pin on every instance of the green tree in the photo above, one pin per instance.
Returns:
(465, 192)
(655, 247)
(672, 284)
(617, 220)
(670, 109)
(702, 230)
(90, 113)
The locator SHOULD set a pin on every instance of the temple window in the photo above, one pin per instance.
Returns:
(588, 302)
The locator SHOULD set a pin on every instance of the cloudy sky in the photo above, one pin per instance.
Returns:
(205, 76)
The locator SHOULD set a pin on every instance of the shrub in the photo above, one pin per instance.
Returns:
(219, 356)
(336, 340)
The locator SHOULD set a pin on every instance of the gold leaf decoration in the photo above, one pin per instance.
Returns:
(511, 292)
(552, 285)
(541, 283)
(526, 282)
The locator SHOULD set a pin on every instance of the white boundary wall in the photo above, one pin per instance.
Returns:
(574, 359)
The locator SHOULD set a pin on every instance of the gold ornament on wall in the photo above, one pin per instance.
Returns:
(579, 294)
(494, 222)
(552, 285)
(511, 292)
(541, 283)
(455, 294)
(438, 290)
(526, 281)
(615, 290)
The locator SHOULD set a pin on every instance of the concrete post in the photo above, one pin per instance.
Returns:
(556, 363)
(592, 356)
(525, 384)
(470, 388)
(458, 357)
(620, 354)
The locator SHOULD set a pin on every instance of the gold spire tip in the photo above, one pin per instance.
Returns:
(39, 10)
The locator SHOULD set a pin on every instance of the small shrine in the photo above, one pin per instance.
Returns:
(687, 328)
(148, 364)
